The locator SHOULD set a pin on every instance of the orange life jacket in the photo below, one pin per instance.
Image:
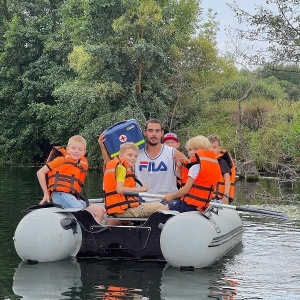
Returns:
(204, 184)
(115, 292)
(179, 182)
(118, 203)
(56, 152)
(69, 176)
(186, 165)
(220, 189)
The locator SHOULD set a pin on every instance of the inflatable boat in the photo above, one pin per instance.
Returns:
(192, 239)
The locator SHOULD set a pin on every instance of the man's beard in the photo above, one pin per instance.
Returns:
(152, 143)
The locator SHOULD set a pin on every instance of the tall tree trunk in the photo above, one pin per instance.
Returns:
(246, 166)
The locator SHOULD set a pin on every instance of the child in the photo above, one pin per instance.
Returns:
(200, 176)
(156, 163)
(66, 175)
(224, 192)
(171, 139)
(119, 178)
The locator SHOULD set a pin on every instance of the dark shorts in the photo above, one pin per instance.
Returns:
(181, 206)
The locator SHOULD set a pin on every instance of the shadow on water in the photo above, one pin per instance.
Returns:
(121, 279)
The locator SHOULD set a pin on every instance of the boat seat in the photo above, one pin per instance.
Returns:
(127, 219)
(168, 212)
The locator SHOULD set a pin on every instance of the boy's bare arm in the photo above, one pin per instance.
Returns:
(181, 192)
(41, 175)
(121, 189)
(227, 183)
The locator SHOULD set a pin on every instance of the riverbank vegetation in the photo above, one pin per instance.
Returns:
(69, 67)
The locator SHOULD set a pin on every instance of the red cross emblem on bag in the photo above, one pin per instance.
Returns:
(122, 138)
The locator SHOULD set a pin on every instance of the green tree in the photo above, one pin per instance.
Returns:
(148, 46)
(288, 77)
(234, 87)
(277, 24)
(275, 146)
(32, 62)
(78, 66)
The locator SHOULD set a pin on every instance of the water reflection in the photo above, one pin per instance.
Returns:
(54, 280)
(211, 282)
(119, 279)
(88, 279)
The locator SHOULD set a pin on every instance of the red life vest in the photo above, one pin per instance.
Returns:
(204, 184)
(118, 203)
(220, 189)
(69, 176)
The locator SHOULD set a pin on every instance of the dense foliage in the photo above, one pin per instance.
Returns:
(78, 66)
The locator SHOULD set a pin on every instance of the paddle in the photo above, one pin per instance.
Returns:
(264, 212)
(99, 200)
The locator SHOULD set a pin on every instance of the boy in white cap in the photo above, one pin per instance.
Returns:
(171, 139)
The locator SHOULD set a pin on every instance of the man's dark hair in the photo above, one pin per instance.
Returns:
(154, 121)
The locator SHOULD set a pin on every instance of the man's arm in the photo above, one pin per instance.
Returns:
(105, 154)
(179, 157)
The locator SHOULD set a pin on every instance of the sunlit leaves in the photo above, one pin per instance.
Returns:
(81, 61)
(138, 17)
(235, 87)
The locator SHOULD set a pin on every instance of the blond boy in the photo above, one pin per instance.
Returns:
(118, 179)
(200, 176)
(66, 176)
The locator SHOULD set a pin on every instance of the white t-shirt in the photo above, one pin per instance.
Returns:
(194, 171)
(159, 174)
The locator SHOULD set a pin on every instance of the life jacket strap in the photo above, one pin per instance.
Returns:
(126, 201)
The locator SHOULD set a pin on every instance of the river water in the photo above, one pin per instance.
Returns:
(266, 265)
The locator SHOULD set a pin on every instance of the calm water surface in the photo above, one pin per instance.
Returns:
(266, 265)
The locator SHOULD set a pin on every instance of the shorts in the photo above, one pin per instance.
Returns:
(67, 200)
(144, 210)
(181, 206)
(164, 202)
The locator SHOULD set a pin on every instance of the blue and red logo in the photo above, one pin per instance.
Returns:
(122, 138)
(151, 167)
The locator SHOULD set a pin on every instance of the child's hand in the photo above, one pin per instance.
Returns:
(168, 197)
(225, 200)
(46, 199)
(179, 158)
(144, 188)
